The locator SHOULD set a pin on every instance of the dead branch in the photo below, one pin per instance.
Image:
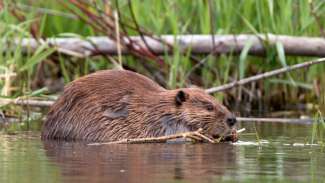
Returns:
(198, 44)
(26, 102)
(264, 75)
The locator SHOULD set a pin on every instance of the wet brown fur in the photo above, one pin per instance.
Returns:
(111, 105)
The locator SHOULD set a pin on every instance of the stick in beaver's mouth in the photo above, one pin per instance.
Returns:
(194, 135)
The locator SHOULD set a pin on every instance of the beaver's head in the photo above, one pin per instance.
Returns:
(196, 109)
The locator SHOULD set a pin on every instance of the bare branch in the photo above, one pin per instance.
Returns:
(264, 75)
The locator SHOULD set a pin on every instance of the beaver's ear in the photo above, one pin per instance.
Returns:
(180, 97)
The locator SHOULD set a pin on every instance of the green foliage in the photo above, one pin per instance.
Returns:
(52, 18)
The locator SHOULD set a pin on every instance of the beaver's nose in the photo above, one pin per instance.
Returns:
(231, 121)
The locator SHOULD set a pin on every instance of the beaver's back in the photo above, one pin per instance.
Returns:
(78, 113)
(112, 80)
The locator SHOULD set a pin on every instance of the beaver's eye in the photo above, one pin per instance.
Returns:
(210, 107)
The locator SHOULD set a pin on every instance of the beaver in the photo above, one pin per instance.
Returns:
(111, 105)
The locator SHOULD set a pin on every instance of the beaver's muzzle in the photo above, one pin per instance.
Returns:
(232, 136)
(231, 121)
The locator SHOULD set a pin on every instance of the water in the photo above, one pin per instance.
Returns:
(283, 154)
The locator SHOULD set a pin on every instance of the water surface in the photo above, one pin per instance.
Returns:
(283, 153)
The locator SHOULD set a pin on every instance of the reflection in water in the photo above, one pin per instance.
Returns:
(141, 162)
(25, 158)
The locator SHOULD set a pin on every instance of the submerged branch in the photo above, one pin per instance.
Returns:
(264, 75)
(198, 44)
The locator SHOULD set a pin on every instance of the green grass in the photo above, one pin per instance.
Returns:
(290, 17)
(318, 129)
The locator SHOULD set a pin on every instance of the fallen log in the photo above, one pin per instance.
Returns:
(198, 44)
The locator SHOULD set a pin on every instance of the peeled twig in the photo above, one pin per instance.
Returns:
(264, 75)
(205, 137)
(195, 135)
(241, 130)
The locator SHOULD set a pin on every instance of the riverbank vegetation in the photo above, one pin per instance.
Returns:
(41, 73)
